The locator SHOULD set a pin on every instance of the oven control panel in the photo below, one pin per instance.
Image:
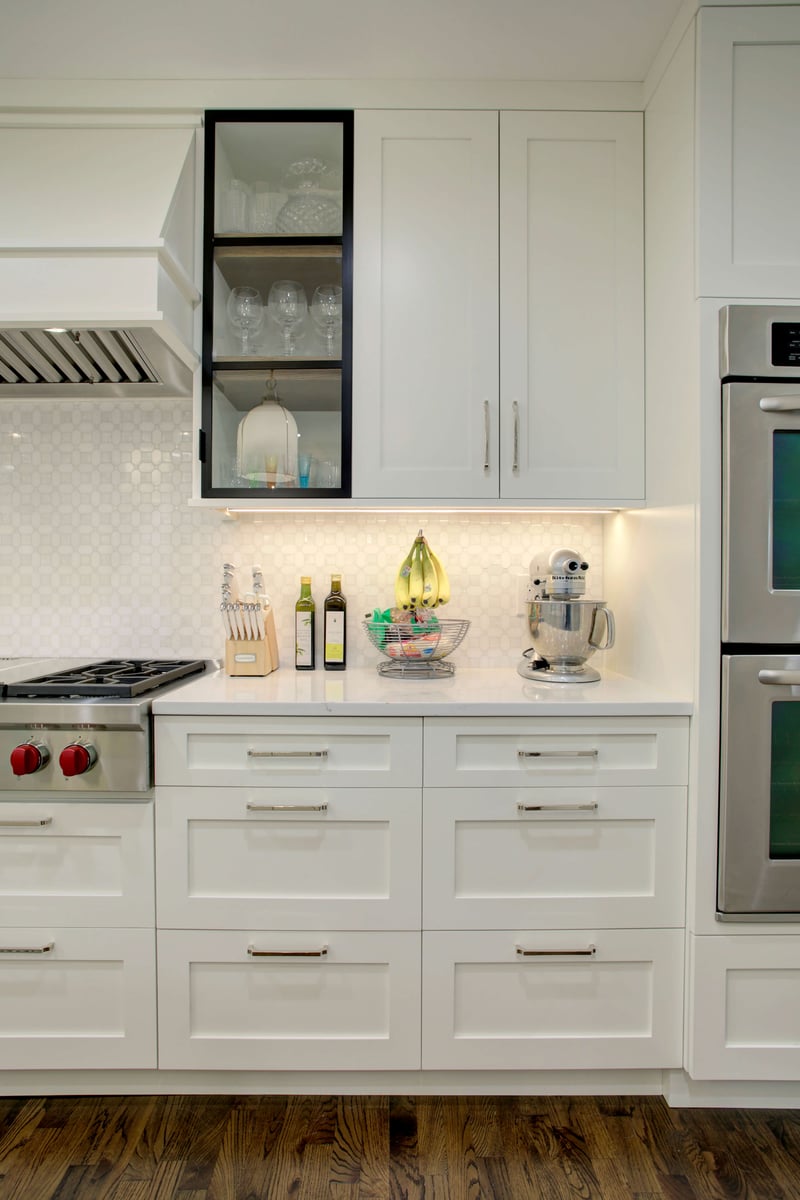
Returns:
(66, 760)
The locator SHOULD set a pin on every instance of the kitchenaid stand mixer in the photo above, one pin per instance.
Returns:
(565, 629)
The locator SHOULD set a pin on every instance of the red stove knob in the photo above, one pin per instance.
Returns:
(77, 758)
(29, 758)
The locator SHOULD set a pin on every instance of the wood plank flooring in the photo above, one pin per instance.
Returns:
(395, 1148)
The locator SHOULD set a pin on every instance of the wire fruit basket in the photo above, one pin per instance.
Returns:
(416, 651)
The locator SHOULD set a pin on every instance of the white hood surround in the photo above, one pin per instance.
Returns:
(98, 258)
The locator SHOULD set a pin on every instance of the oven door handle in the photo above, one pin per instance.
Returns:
(780, 404)
(785, 678)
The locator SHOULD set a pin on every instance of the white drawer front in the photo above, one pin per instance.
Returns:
(554, 857)
(291, 858)
(745, 1007)
(76, 864)
(74, 998)
(285, 1005)
(289, 751)
(551, 752)
(487, 1006)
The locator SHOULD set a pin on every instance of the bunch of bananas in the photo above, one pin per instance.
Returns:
(422, 580)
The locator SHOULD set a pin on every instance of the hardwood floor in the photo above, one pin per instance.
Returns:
(378, 1148)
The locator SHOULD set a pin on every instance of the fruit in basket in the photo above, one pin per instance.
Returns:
(421, 580)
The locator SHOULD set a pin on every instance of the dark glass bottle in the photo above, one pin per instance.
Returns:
(304, 627)
(335, 627)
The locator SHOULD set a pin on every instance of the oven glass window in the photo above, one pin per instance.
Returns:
(786, 510)
(784, 816)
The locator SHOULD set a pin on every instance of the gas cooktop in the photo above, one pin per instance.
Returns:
(124, 678)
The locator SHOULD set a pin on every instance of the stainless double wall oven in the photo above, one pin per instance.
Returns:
(759, 828)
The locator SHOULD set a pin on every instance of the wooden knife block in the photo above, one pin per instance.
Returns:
(253, 656)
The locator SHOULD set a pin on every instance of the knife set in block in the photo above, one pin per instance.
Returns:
(251, 646)
(253, 655)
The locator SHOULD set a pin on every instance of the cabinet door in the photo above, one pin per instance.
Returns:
(76, 864)
(289, 858)
(748, 169)
(744, 1016)
(425, 323)
(289, 752)
(547, 752)
(551, 858)
(586, 999)
(77, 998)
(572, 329)
(263, 1000)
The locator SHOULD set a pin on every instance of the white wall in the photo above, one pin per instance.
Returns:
(650, 554)
(101, 555)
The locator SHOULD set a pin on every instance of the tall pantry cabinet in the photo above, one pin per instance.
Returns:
(498, 307)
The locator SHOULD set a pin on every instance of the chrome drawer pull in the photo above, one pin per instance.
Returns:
(587, 953)
(557, 753)
(27, 949)
(287, 807)
(558, 807)
(486, 463)
(786, 678)
(34, 824)
(251, 950)
(779, 404)
(515, 458)
(287, 753)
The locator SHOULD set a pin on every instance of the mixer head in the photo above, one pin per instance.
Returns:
(562, 576)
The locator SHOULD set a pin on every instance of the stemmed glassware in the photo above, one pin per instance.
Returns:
(287, 305)
(326, 313)
(246, 314)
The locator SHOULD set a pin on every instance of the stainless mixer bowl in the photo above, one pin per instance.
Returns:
(567, 632)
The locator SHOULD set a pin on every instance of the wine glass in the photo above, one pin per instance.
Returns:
(287, 305)
(246, 314)
(326, 313)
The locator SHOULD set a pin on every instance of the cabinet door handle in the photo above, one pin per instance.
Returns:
(558, 807)
(486, 435)
(779, 404)
(27, 949)
(287, 807)
(320, 953)
(557, 753)
(515, 458)
(587, 953)
(786, 678)
(287, 753)
(36, 823)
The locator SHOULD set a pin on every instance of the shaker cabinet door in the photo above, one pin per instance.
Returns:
(425, 305)
(748, 169)
(572, 320)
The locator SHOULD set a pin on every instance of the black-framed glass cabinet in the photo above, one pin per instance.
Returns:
(277, 305)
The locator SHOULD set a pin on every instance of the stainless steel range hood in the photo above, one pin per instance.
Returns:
(97, 261)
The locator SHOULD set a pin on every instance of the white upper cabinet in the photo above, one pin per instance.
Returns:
(425, 305)
(571, 316)
(498, 309)
(747, 161)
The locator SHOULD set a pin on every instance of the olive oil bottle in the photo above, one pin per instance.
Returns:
(335, 627)
(305, 627)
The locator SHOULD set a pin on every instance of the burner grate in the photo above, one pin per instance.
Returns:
(123, 678)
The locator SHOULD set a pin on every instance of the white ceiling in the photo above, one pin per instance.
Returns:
(586, 40)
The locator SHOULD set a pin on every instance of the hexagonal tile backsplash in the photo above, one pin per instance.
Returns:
(101, 555)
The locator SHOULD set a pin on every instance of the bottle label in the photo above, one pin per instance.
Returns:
(334, 637)
(303, 634)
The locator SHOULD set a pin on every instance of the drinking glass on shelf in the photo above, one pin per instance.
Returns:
(287, 305)
(246, 314)
(326, 313)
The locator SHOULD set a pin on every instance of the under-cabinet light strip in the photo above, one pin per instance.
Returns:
(550, 512)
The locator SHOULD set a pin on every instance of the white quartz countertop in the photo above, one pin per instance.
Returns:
(362, 692)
